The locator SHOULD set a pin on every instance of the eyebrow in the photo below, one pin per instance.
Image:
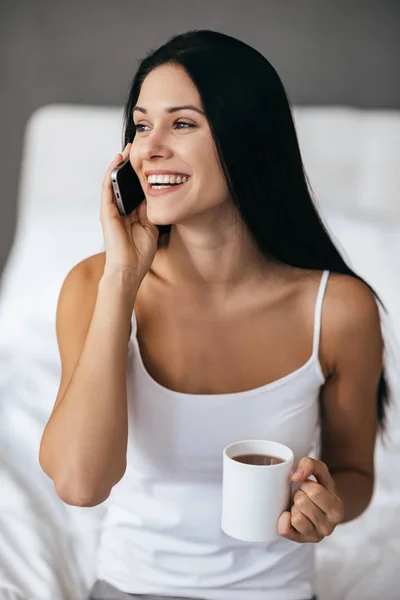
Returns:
(172, 109)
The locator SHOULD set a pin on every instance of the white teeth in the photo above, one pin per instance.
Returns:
(167, 179)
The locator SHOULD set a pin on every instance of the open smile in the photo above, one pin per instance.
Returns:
(159, 189)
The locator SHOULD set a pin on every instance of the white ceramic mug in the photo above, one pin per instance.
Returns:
(254, 496)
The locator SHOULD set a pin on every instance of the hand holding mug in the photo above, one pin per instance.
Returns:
(316, 509)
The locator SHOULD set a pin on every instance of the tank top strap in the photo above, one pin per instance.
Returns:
(318, 312)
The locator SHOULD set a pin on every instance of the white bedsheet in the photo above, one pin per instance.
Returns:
(47, 548)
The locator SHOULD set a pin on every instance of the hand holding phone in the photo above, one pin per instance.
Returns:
(127, 187)
(130, 240)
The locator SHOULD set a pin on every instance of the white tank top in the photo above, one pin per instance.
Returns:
(162, 530)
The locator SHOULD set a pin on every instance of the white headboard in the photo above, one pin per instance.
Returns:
(352, 158)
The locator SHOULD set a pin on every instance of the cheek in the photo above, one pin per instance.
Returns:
(213, 175)
(212, 185)
(205, 161)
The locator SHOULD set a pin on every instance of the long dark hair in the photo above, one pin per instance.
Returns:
(251, 122)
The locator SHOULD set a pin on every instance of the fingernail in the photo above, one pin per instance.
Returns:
(298, 474)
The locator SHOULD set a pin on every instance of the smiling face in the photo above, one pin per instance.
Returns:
(180, 142)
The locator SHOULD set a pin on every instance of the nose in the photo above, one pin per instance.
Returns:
(154, 146)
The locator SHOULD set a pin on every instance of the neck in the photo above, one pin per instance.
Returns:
(213, 265)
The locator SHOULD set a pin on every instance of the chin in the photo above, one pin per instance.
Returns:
(159, 221)
(158, 217)
(168, 217)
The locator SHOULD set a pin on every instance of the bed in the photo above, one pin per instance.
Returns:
(47, 548)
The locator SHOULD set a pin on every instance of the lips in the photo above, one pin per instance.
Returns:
(173, 188)
(163, 172)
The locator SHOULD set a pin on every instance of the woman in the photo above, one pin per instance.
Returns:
(220, 310)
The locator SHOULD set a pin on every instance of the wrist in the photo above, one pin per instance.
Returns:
(124, 281)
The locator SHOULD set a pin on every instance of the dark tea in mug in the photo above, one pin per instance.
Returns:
(258, 459)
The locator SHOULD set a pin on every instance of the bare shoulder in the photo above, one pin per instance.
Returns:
(349, 300)
(350, 320)
(87, 273)
(79, 290)
(91, 268)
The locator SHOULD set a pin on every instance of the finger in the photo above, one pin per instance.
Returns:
(308, 466)
(304, 526)
(126, 150)
(132, 217)
(141, 210)
(144, 220)
(286, 530)
(320, 521)
(117, 159)
(329, 503)
(107, 197)
(108, 193)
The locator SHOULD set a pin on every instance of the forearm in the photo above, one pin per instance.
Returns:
(355, 490)
(86, 437)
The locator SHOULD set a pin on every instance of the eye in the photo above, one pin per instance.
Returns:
(184, 123)
(139, 126)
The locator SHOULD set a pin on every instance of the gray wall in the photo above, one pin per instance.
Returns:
(85, 51)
